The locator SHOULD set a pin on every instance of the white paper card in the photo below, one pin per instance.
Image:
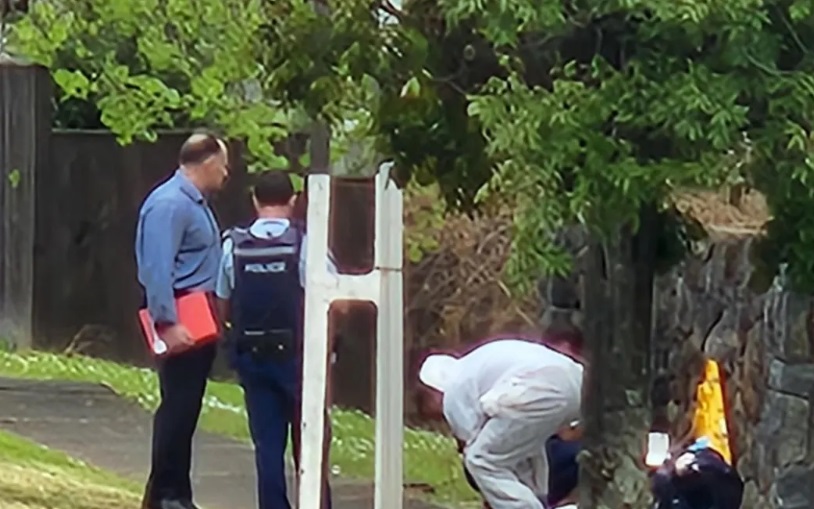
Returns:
(658, 449)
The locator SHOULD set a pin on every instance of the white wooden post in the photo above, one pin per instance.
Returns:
(389, 343)
(382, 286)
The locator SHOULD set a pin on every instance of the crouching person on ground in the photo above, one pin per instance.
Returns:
(697, 477)
(503, 401)
(563, 476)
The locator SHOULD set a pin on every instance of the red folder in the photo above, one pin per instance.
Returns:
(195, 312)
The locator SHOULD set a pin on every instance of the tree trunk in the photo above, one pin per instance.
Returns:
(618, 299)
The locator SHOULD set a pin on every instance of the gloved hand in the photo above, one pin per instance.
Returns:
(685, 463)
(571, 432)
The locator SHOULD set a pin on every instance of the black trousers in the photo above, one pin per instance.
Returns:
(182, 378)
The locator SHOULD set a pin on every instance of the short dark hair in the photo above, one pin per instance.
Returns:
(273, 188)
(198, 148)
(571, 336)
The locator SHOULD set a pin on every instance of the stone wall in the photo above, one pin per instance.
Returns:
(763, 339)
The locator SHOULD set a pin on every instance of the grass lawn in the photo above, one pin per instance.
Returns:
(428, 457)
(34, 477)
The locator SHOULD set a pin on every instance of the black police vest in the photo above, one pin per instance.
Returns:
(268, 300)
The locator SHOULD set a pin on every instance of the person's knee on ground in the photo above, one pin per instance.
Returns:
(500, 486)
(478, 470)
(563, 476)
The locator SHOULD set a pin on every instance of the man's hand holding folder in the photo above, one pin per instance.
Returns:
(176, 337)
(197, 325)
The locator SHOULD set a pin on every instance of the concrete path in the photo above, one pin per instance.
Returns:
(93, 424)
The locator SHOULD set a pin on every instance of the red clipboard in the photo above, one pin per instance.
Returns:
(195, 312)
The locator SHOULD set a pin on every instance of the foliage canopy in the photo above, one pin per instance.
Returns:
(573, 110)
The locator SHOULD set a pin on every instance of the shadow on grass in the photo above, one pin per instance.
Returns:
(34, 477)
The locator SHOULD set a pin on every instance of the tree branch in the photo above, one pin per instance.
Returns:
(392, 10)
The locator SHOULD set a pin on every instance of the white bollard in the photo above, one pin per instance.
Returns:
(382, 286)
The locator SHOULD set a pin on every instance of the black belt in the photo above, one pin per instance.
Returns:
(280, 344)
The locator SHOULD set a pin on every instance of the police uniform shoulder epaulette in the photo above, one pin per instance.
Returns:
(229, 233)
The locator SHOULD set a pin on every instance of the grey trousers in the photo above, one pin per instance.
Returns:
(507, 458)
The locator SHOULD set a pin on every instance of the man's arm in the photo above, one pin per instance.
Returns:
(226, 280)
(304, 256)
(161, 232)
(463, 414)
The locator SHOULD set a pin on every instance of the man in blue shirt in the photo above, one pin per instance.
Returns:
(261, 290)
(178, 250)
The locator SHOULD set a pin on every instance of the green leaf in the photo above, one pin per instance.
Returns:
(800, 10)
(414, 253)
(411, 89)
(14, 178)
(563, 128)
(278, 163)
(305, 159)
(73, 83)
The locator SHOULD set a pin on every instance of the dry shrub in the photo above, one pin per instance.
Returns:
(455, 294)
(716, 209)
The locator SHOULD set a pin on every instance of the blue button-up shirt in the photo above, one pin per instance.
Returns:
(177, 245)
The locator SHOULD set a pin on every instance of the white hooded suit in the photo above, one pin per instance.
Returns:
(504, 400)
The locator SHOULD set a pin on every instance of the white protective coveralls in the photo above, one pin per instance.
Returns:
(504, 400)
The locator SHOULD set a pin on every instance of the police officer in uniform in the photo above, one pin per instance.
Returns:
(261, 292)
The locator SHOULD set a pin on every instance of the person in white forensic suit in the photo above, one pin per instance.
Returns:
(503, 401)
